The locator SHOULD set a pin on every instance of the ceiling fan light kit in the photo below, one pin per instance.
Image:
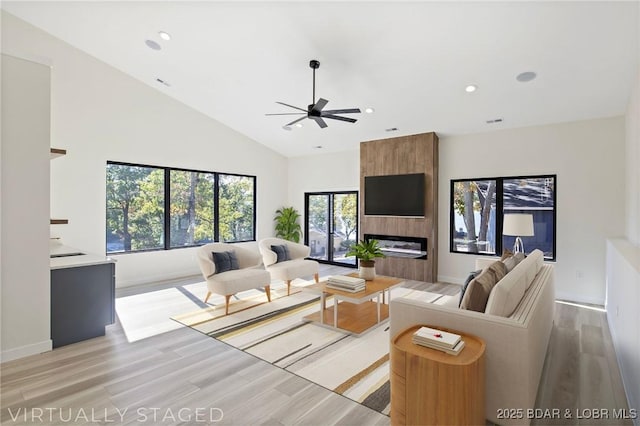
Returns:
(315, 110)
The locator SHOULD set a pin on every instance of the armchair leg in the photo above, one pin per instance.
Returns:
(207, 296)
(267, 289)
(226, 306)
(316, 276)
(288, 287)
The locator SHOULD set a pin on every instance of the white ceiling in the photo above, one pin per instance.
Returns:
(410, 61)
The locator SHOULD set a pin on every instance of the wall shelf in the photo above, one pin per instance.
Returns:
(57, 152)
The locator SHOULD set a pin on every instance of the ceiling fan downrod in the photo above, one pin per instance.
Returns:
(314, 64)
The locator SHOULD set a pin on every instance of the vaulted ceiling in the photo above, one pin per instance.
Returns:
(410, 61)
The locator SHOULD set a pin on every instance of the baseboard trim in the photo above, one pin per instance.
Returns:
(579, 299)
(450, 280)
(152, 279)
(27, 350)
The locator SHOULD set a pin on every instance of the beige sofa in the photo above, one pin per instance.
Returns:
(516, 342)
(296, 267)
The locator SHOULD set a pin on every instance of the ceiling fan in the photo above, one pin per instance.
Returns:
(315, 110)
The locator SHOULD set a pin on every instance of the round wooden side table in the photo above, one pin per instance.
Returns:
(431, 387)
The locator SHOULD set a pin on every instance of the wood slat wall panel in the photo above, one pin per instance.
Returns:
(404, 155)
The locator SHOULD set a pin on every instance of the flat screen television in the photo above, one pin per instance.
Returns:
(394, 195)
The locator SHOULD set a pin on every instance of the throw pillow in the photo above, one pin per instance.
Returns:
(519, 257)
(510, 263)
(499, 270)
(477, 294)
(282, 253)
(234, 260)
(225, 261)
(471, 276)
(506, 253)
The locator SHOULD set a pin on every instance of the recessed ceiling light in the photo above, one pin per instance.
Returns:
(369, 110)
(391, 129)
(318, 147)
(164, 35)
(526, 76)
(471, 88)
(495, 120)
(298, 125)
(152, 45)
(166, 83)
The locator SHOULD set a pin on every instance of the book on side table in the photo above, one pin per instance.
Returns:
(437, 339)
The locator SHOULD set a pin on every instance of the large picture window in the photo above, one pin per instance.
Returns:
(155, 208)
(135, 208)
(192, 207)
(478, 208)
(237, 206)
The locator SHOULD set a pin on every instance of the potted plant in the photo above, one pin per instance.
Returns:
(366, 252)
(287, 226)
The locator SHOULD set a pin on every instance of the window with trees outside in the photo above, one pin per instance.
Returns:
(478, 207)
(155, 208)
(331, 226)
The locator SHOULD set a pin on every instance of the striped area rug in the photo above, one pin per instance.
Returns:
(356, 367)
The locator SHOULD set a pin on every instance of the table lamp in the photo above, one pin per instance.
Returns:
(518, 225)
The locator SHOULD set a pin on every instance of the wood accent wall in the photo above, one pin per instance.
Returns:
(396, 156)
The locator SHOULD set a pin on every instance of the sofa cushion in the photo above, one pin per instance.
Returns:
(508, 292)
(225, 261)
(234, 281)
(291, 269)
(471, 276)
(282, 253)
(478, 290)
(535, 258)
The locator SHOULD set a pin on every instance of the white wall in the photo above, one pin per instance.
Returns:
(100, 114)
(24, 226)
(324, 172)
(586, 156)
(623, 265)
(632, 147)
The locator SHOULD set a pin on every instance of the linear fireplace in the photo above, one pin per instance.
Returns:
(398, 246)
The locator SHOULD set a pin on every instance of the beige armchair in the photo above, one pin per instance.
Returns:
(288, 270)
(249, 274)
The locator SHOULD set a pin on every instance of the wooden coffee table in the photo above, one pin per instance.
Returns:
(353, 313)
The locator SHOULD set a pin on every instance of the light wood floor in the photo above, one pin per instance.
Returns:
(184, 377)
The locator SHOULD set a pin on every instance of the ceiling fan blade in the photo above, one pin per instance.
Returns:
(295, 121)
(337, 117)
(291, 106)
(319, 105)
(287, 113)
(341, 111)
(320, 122)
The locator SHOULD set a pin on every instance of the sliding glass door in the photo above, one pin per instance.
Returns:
(331, 225)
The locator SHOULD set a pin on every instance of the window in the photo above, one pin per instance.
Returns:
(192, 208)
(237, 208)
(535, 196)
(331, 226)
(155, 208)
(478, 207)
(135, 208)
(474, 216)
